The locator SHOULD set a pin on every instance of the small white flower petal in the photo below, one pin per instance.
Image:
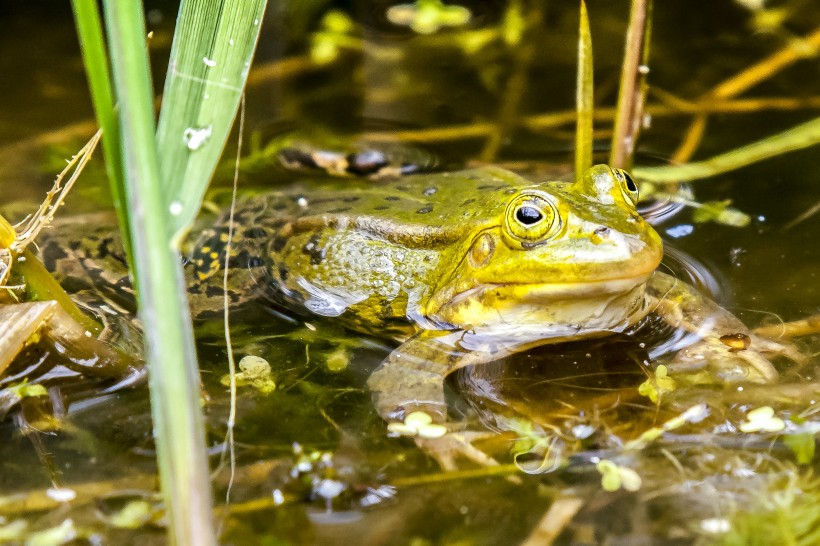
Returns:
(417, 419)
(432, 431)
(401, 428)
(761, 413)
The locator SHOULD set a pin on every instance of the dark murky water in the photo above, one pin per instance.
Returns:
(699, 483)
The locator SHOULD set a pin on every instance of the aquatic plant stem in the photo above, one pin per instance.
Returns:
(584, 96)
(23, 265)
(742, 81)
(795, 138)
(632, 91)
(536, 122)
(796, 328)
(41, 286)
(173, 372)
(554, 521)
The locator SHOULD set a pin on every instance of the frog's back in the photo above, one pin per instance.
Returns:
(367, 252)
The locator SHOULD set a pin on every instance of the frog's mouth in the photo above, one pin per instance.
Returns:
(604, 305)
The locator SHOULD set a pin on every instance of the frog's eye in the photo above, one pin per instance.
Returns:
(531, 217)
(628, 186)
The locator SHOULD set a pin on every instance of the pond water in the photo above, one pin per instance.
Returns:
(314, 461)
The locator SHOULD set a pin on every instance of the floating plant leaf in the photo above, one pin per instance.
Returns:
(428, 16)
(655, 387)
(802, 445)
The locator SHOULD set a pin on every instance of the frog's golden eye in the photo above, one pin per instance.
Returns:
(628, 187)
(532, 217)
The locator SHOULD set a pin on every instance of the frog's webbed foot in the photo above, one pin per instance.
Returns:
(408, 392)
(726, 349)
(411, 378)
(727, 362)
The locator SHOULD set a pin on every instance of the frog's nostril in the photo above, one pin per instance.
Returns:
(602, 231)
(481, 251)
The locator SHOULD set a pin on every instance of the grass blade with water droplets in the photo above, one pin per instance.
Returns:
(173, 370)
(213, 46)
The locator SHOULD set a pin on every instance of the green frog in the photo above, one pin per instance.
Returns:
(462, 268)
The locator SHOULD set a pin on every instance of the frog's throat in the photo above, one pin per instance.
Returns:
(608, 305)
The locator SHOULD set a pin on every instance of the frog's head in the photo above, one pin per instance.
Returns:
(570, 257)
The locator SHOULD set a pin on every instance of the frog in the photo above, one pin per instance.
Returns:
(461, 268)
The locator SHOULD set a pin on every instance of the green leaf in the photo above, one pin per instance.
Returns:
(213, 46)
(802, 445)
(26, 390)
(720, 212)
(514, 24)
(428, 16)
(254, 371)
(170, 353)
(655, 387)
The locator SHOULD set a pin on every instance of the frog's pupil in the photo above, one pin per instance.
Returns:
(528, 215)
(630, 184)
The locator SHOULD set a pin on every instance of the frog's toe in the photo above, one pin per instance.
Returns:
(446, 449)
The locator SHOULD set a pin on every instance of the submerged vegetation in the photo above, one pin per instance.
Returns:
(597, 440)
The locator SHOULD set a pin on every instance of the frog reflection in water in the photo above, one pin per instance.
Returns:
(465, 268)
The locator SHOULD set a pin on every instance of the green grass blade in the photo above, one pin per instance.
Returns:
(584, 96)
(92, 45)
(170, 354)
(213, 46)
(796, 138)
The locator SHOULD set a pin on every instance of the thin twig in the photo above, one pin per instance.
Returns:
(55, 196)
(803, 327)
(231, 424)
(811, 211)
(744, 80)
(561, 118)
(554, 521)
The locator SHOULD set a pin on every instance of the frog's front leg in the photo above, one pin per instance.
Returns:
(726, 345)
(408, 392)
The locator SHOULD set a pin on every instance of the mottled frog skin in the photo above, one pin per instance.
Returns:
(446, 251)
(463, 268)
